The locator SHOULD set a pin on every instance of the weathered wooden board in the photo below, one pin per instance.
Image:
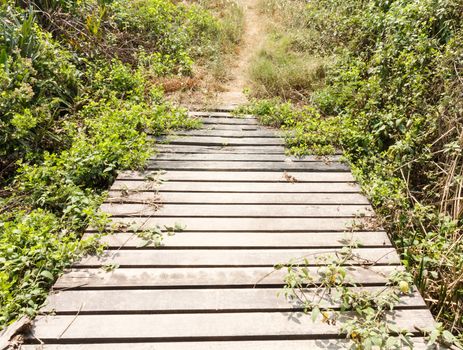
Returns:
(239, 187)
(214, 114)
(242, 157)
(226, 141)
(322, 343)
(243, 224)
(233, 257)
(238, 198)
(237, 121)
(242, 149)
(252, 240)
(237, 127)
(202, 277)
(259, 176)
(247, 166)
(248, 127)
(183, 300)
(204, 326)
(242, 210)
(230, 133)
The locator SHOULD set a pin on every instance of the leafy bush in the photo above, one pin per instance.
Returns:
(34, 248)
(69, 121)
(38, 82)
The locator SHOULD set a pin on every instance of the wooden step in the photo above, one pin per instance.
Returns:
(201, 277)
(233, 257)
(244, 224)
(186, 239)
(246, 166)
(193, 300)
(242, 210)
(239, 187)
(205, 326)
(241, 157)
(245, 176)
(235, 198)
(222, 148)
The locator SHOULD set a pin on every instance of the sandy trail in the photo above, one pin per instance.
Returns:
(251, 42)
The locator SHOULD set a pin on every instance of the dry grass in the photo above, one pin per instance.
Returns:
(210, 74)
(279, 71)
(285, 66)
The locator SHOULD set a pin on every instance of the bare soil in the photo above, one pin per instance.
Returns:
(251, 42)
(203, 91)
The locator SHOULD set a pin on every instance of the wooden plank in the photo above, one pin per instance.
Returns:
(243, 149)
(230, 133)
(245, 176)
(247, 166)
(204, 326)
(243, 210)
(238, 198)
(323, 343)
(242, 157)
(217, 114)
(225, 141)
(242, 224)
(183, 300)
(229, 121)
(240, 187)
(234, 257)
(200, 277)
(237, 127)
(252, 240)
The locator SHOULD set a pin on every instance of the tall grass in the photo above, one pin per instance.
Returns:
(286, 66)
(278, 70)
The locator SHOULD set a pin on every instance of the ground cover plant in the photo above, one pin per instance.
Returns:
(80, 92)
(391, 99)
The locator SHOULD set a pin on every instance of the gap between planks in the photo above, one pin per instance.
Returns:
(331, 344)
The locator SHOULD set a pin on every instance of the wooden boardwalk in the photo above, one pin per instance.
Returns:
(245, 206)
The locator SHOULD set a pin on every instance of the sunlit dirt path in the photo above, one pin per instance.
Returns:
(252, 39)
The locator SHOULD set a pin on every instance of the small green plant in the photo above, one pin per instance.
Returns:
(333, 297)
(154, 236)
(308, 132)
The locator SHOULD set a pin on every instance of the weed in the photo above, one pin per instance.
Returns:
(361, 314)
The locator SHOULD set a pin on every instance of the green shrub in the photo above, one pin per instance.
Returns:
(68, 122)
(34, 248)
(38, 83)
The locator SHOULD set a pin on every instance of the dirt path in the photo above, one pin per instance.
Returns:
(252, 39)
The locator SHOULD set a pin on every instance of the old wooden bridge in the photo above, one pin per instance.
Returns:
(245, 206)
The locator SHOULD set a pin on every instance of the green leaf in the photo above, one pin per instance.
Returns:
(47, 274)
(315, 313)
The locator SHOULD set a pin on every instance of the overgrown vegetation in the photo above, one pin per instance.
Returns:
(288, 65)
(392, 100)
(362, 313)
(80, 91)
